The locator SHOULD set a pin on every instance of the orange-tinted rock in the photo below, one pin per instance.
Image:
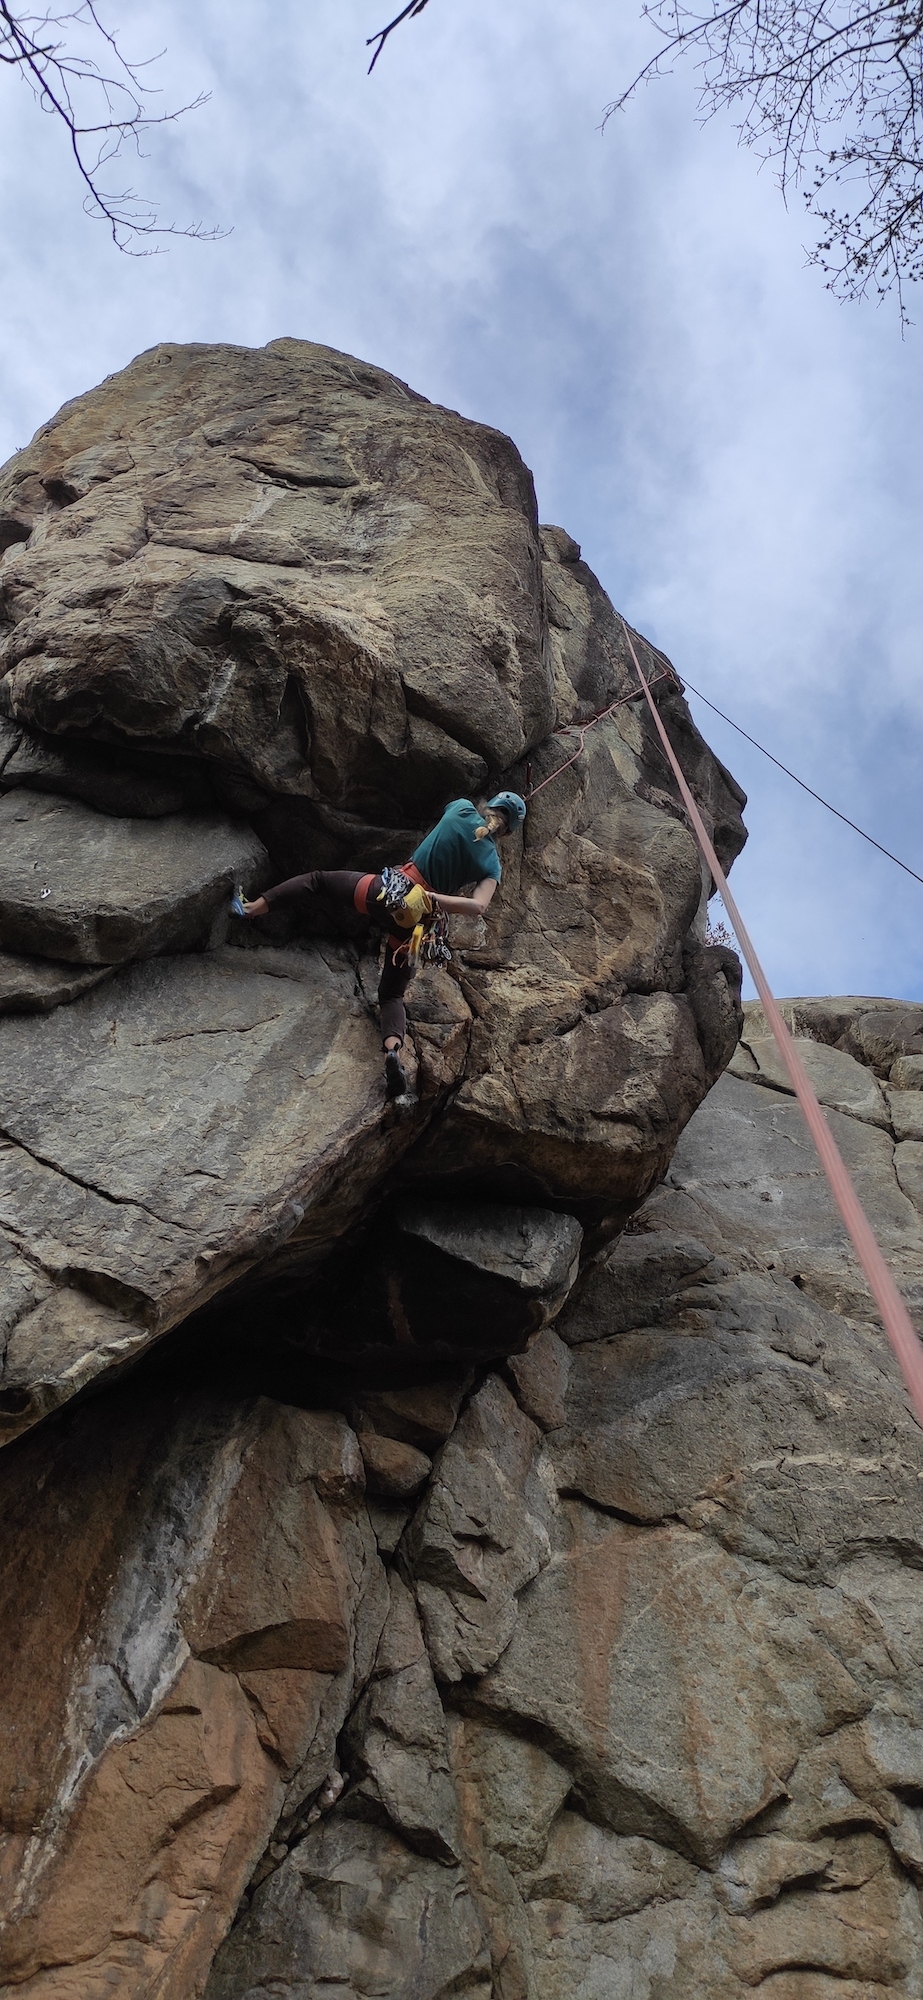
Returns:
(139, 1784)
(276, 1591)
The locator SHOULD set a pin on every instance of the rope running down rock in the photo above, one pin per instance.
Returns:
(897, 1322)
(581, 728)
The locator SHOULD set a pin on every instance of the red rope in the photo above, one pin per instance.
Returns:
(582, 727)
(897, 1322)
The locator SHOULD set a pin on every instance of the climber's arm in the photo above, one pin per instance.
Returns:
(467, 906)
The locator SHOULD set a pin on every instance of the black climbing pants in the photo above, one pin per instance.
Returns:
(340, 885)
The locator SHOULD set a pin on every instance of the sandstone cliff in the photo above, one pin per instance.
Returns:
(464, 1547)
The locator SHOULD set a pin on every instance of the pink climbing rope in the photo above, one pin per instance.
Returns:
(897, 1321)
(581, 728)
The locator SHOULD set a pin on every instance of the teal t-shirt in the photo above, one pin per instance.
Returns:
(450, 856)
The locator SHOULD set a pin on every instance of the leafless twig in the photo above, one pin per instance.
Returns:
(407, 13)
(100, 108)
(833, 91)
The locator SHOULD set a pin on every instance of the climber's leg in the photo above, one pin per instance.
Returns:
(339, 884)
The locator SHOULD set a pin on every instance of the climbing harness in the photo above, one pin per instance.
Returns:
(897, 1321)
(411, 907)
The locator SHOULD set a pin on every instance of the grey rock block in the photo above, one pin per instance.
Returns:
(907, 1073)
(749, 1178)
(481, 1534)
(396, 1743)
(839, 1080)
(356, 1909)
(533, 1249)
(623, 1731)
(629, 1284)
(906, 1108)
(36, 985)
(110, 779)
(502, 1272)
(92, 890)
(423, 1417)
(185, 1122)
(883, 1034)
(539, 1379)
(394, 1471)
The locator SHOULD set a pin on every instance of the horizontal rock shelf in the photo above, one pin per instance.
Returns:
(82, 886)
(36, 985)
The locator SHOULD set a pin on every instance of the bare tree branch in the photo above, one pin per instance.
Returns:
(407, 13)
(101, 107)
(832, 90)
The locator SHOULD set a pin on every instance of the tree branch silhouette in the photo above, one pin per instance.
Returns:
(832, 90)
(103, 101)
(406, 14)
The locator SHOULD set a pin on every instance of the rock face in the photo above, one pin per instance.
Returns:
(466, 1549)
(456, 1547)
(598, 1672)
(261, 612)
(97, 891)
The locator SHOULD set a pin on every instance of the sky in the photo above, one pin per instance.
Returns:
(736, 452)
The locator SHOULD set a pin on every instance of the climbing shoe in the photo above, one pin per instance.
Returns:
(395, 1080)
(237, 902)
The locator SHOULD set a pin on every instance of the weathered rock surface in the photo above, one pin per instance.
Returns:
(267, 610)
(174, 1680)
(97, 891)
(193, 1118)
(427, 1590)
(605, 1679)
(37, 985)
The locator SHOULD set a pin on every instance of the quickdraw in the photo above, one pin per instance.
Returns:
(395, 889)
(428, 943)
(434, 944)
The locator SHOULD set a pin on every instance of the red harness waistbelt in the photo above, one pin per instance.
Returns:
(361, 894)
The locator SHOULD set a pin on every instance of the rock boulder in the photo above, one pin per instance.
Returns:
(262, 611)
(93, 890)
(414, 1583)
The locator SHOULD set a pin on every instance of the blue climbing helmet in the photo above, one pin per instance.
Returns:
(512, 805)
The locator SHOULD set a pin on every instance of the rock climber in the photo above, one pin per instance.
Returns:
(412, 902)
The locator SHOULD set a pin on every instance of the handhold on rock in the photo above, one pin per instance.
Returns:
(393, 1470)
